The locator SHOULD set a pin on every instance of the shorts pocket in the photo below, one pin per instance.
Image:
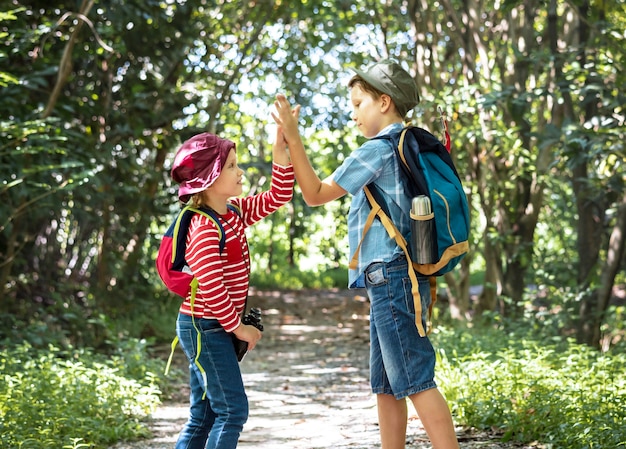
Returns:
(375, 275)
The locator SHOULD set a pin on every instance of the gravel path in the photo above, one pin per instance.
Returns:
(307, 380)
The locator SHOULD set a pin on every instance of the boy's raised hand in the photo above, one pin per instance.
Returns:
(314, 191)
(287, 118)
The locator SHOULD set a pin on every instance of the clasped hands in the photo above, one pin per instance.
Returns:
(286, 118)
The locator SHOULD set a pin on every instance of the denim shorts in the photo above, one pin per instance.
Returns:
(401, 362)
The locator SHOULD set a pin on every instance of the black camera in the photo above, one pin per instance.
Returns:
(252, 319)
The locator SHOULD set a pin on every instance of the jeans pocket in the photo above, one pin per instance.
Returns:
(188, 341)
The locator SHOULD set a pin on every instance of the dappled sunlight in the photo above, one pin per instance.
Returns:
(307, 380)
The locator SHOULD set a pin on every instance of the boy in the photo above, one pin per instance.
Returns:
(401, 362)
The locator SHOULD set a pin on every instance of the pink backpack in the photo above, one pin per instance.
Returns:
(170, 261)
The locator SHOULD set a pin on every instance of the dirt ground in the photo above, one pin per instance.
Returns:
(307, 380)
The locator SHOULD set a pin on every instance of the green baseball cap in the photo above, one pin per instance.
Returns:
(390, 78)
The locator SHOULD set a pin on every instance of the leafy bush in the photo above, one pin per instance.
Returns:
(55, 399)
(561, 394)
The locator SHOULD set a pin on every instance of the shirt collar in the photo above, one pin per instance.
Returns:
(389, 129)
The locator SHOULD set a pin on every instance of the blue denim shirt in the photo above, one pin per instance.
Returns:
(374, 162)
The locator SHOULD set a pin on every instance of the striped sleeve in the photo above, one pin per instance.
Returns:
(256, 207)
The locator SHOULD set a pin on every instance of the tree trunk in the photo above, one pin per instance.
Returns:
(458, 291)
(65, 66)
(7, 302)
(591, 207)
(614, 256)
(487, 300)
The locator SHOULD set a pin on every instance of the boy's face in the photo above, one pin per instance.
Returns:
(367, 111)
(229, 183)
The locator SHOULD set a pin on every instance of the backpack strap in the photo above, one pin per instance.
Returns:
(446, 132)
(182, 222)
(401, 241)
(368, 223)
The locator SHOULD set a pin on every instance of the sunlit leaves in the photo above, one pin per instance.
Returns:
(48, 398)
(531, 389)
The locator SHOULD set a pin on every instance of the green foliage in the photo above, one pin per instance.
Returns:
(158, 326)
(86, 144)
(295, 278)
(532, 388)
(53, 399)
(97, 107)
(614, 328)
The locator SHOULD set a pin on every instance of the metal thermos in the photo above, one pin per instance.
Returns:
(421, 206)
(422, 230)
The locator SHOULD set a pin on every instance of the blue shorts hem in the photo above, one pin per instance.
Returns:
(406, 393)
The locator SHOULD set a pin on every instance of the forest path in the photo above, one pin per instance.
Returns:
(307, 380)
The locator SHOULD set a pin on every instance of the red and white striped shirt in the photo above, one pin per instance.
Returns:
(223, 279)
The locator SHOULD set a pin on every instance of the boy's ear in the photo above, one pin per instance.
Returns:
(386, 102)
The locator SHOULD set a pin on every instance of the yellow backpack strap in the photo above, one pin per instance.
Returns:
(169, 359)
(194, 289)
(177, 229)
(433, 297)
(400, 240)
(368, 223)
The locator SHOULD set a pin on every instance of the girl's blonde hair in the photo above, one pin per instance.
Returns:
(197, 199)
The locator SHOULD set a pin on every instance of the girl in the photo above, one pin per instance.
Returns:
(206, 168)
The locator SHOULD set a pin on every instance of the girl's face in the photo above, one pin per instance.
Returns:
(367, 111)
(229, 183)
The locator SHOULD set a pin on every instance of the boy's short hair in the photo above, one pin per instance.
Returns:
(367, 87)
(389, 78)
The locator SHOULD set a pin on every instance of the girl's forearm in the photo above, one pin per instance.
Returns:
(280, 156)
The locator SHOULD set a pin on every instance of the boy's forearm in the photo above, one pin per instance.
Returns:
(310, 184)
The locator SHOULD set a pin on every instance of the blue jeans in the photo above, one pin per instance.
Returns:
(215, 420)
(401, 362)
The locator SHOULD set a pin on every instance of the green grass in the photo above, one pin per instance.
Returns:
(512, 378)
(558, 393)
(70, 399)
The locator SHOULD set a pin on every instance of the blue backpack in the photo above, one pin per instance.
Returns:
(442, 227)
